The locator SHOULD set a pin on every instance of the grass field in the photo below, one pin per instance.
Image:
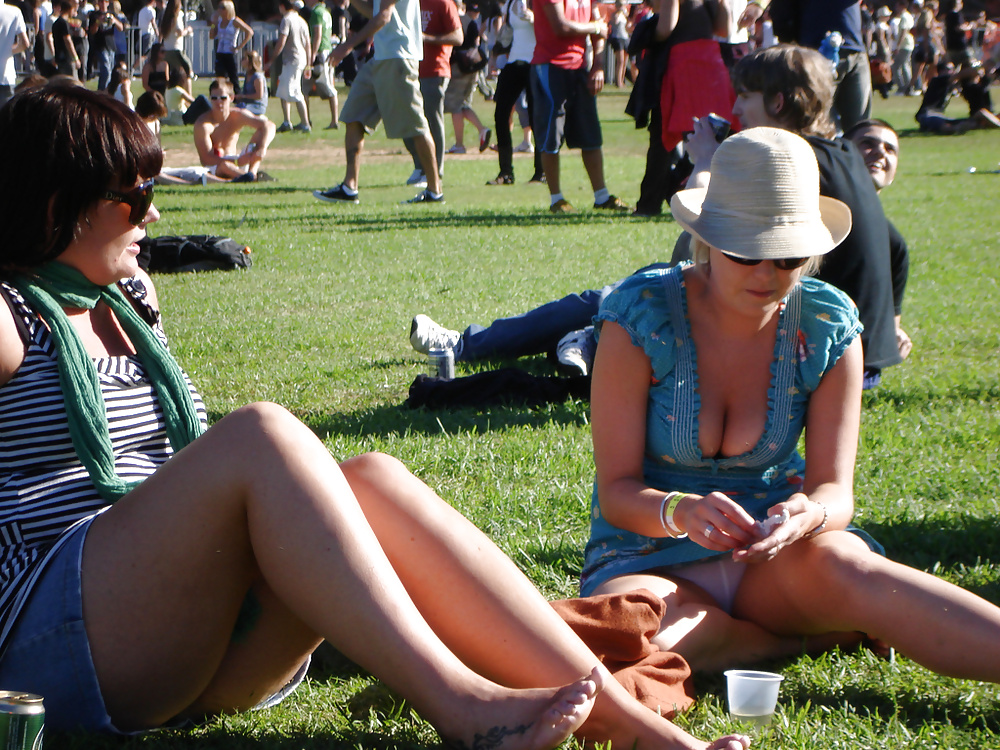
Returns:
(320, 323)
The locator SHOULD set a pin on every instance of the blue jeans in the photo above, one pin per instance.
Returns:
(105, 64)
(537, 331)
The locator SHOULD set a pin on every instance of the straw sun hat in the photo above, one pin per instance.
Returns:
(763, 200)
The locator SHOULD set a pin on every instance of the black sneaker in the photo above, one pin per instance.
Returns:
(613, 203)
(336, 195)
(539, 178)
(502, 179)
(425, 196)
(245, 177)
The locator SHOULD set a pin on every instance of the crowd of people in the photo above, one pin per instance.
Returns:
(211, 575)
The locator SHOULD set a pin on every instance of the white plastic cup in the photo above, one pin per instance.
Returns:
(752, 695)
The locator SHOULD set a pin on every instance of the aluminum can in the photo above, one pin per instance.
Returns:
(441, 363)
(22, 718)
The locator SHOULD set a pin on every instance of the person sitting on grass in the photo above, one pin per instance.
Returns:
(878, 144)
(940, 89)
(210, 574)
(706, 376)
(253, 96)
(217, 132)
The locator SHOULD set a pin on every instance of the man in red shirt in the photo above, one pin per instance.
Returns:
(565, 95)
(442, 29)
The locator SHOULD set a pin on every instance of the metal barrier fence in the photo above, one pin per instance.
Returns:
(199, 47)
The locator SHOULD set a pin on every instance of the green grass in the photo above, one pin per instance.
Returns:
(320, 325)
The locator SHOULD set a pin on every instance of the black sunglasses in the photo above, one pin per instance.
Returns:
(784, 264)
(218, 98)
(140, 198)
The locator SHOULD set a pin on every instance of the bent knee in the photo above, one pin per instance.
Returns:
(262, 420)
(837, 557)
(371, 467)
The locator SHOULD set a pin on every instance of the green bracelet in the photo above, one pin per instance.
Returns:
(667, 507)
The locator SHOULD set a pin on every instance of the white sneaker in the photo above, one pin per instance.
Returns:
(417, 179)
(524, 148)
(576, 349)
(425, 335)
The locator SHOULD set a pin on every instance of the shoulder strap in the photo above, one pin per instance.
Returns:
(22, 327)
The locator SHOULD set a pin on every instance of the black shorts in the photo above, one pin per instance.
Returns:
(564, 109)
(618, 45)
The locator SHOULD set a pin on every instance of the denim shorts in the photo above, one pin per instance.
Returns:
(48, 652)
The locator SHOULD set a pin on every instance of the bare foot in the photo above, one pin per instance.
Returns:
(731, 742)
(534, 719)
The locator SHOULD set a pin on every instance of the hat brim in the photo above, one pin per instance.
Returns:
(746, 238)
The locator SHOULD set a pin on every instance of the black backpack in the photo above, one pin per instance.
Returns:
(196, 252)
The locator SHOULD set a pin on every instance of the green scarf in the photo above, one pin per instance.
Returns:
(55, 285)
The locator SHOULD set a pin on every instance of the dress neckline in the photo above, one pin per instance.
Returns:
(780, 390)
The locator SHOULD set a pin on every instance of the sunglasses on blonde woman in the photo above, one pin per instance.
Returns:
(139, 198)
(783, 264)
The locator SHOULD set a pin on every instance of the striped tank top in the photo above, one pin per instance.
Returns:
(44, 489)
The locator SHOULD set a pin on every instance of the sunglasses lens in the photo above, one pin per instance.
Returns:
(790, 264)
(741, 261)
(140, 199)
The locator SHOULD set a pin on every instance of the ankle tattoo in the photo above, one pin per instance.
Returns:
(492, 739)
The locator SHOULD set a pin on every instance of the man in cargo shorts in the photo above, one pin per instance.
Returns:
(386, 89)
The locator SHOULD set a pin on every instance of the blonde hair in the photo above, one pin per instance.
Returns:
(254, 64)
(227, 10)
(700, 251)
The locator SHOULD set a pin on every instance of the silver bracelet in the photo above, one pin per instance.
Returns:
(818, 529)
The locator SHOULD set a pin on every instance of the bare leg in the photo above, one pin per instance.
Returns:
(834, 583)
(593, 162)
(334, 107)
(286, 111)
(550, 163)
(706, 636)
(458, 124)
(354, 144)
(471, 116)
(474, 597)
(166, 568)
(303, 112)
(428, 161)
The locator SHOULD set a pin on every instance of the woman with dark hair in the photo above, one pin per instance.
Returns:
(156, 71)
(173, 29)
(211, 574)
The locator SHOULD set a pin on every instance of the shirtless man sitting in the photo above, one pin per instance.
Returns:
(217, 131)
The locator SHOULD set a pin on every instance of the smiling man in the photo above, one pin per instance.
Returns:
(217, 133)
(879, 147)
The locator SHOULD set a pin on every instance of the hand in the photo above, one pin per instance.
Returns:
(750, 16)
(307, 73)
(600, 29)
(716, 522)
(701, 144)
(903, 342)
(337, 55)
(595, 84)
(802, 519)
